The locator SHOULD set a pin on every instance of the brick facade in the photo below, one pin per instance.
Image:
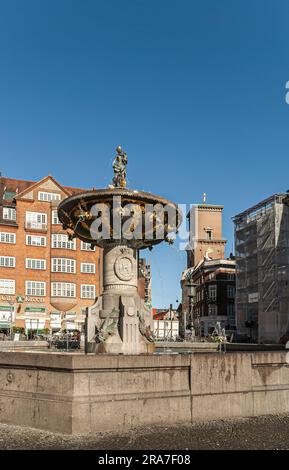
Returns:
(39, 311)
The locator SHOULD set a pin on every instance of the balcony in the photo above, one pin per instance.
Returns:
(36, 226)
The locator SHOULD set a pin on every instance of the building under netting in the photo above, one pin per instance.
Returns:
(262, 270)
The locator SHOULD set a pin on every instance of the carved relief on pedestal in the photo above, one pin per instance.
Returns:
(124, 267)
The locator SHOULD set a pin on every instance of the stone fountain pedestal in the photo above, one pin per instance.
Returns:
(119, 322)
(121, 221)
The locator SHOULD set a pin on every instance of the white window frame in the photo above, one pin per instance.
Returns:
(61, 289)
(36, 238)
(86, 246)
(5, 237)
(7, 286)
(54, 217)
(62, 242)
(44, 196)
(87, 268)
(84, 291)
(7, 262)
(35, 263)
(9, 213)
(35, 288)
(36, 220)
(63, 265)
(209, 233)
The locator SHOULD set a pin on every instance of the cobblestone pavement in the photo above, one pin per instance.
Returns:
(268, 432)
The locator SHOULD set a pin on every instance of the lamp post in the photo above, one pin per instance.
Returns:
(86, 332)
(191, 289)
(185, 324)
(11, 303)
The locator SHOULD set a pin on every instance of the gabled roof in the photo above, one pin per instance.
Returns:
(38, 183)
(12, 184)
(22, 187)
(160, 314)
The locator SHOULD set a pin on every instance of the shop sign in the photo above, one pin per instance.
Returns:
(20, 298)
(35, 309)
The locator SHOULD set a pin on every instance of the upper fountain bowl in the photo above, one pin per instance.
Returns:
(119, 215)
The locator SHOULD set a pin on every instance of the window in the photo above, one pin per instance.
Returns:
(231, 311)
(6, 237)
(47, 197)
(36, 220)
(86, 247)
(7, 261)
(87, 291)
(9, 213)
(231, 292)
(213, 309)
(34, 263)
(88, 268)
(35, 288)
(212, 292)
(62, 289)
(35, 240)
(55, 219)
(59, 240)
(63, 265)
(9, 195)
(209, 234)
(231, 277)
(7, 286)
(231, 314)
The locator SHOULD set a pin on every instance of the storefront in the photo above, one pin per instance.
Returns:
(6, 318)
(63, 321)
(55, 321)
(35, 319)
(69, 322)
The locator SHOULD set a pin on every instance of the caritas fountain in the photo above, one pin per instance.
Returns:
(121, 221)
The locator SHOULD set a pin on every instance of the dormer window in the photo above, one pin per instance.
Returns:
(9, 213)
(9, 195)
(48, 197)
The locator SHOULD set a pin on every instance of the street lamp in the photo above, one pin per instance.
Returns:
(11, 303)
(191, 291)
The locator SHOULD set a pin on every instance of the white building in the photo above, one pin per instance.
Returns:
(166, 324)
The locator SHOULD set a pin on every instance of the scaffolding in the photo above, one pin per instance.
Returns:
(262, 267)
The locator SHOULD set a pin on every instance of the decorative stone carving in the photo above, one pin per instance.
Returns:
(108, 328)
(145, 330)
(123, 267)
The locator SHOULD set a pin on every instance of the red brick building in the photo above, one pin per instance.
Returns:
(42, 273)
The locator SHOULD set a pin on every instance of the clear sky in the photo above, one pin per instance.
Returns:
(194, 91)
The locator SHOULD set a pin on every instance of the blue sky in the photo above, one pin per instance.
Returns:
(194, 91)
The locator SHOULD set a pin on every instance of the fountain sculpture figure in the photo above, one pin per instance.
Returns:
(121, 221)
